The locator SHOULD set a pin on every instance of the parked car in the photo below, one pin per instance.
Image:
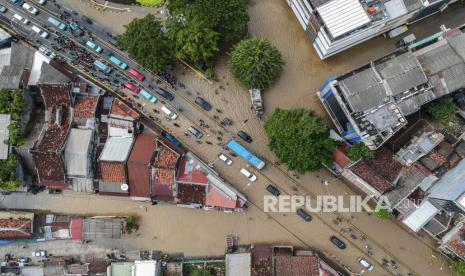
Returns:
(304, 215)
(3, 9)
(31, 9)
(252, 177)
(39, 253)
(136, 74)
(39, 32)
(86, 19)
(366, 264)
(195, 132)
(273, 190)
(244, 136)
(337, 242)
(203, 103)
(42, 2)
(134, 89)
(164, 93)
(228, 161)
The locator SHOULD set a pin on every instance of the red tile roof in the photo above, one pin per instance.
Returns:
(217, 198)
(385, 164)
(166, 158)
(84, 107)
(261, 260)
(456, 244)
(365, 172)
(76, 229)
(296, 265)
(15, 228)
(50, 169)
(139, 166)
(112, 172)
(163, 182)
(191, 194)
(120, 109)
(143, 149)
(340, 157)
(189, 174)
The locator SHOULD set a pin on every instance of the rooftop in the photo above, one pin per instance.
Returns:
(163, 181)
(15, 228)
(50, 75)
(296, 265)
(139, 166)
(121, 269)
(238, 264)
(122, 111)
(455, 240)
(50, 169)
(117, 149)
(20, 59)
(84, 107)
(262, 260)
(114, 172)
(191, 194)
(166, 157)
(77, 149)
(191, 171)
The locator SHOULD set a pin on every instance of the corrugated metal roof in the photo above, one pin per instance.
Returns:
(421, 216)
(76, 152)
(4, 133)
(450, 186)
(117, 149)
(343, 16)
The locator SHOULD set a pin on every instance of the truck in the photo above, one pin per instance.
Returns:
(257, 102)
(56, 23)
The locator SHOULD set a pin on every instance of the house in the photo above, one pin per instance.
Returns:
(333, 26)
(146, 268)
(122, 120)
(453, 243)
(370, 103)
(16, 225)
(120, 269)
(78, 159)
(15, 66)
(5, 38)
(139, 167)
(164, 173)
(76, 270)
(85, 109)
(238, 264)
(48, 149)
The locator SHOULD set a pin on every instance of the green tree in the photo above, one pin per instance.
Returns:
(227, 18)
(459, 268)
(255, 62)
(146, 43)
(360, 150)
(443, 109)
(132, 223)
(195, 42)
(200, 272)
(299, 138)
(382, 212)
(12, 102)
(8, 178)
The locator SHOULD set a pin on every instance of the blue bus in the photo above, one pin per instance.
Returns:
(148, 96)
(238, 149)
(118, 62)
(102, 66)
(57, 23)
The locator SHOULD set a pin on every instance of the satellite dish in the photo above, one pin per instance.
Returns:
(124, 187)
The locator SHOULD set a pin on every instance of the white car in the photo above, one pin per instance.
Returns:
(21, 19)
(39, 253)
(42, 2)
(38, 31)
(252, 177)
(225, 159)
(30, 8)
(365, 264)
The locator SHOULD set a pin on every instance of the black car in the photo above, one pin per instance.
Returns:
(304, 215)
(244, 136)
(86, 19)
(203, 103)
(273, 190)
(164, 93)
(337, 242)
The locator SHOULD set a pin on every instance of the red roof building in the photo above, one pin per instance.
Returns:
(190, 173)
(139, 163)
(163, 178)
(76, 228)
(217, 198)
(112, 172)
(120, 110)
(15, 228)
(85, 107)
(296, 265)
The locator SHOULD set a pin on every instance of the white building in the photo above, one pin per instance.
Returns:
(336, 25)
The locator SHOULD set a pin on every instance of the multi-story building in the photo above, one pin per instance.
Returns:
(369, 104)
(336, 25)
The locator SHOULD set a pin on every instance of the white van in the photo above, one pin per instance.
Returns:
(169, 113)
(21, 19)
(30, 9)
(37, 30)
(252, 177)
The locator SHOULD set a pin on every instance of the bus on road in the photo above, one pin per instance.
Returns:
(118, 62)
(57, 23)
(240, 150)
(148, 96)
(102, 66)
